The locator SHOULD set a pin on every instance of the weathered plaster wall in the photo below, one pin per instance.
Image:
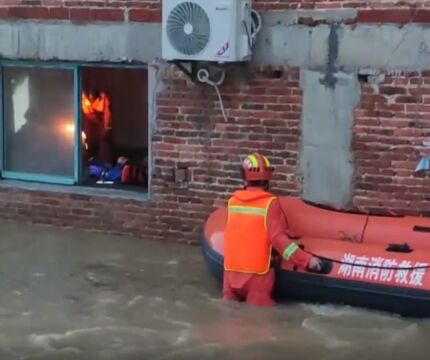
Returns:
(326, 160)
(281, 42)
(114, 42)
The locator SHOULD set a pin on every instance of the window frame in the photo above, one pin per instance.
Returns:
(52, 179)
(77, 68)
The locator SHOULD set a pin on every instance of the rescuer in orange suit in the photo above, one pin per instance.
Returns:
(256, 225)
(102, 105)
(98, 124)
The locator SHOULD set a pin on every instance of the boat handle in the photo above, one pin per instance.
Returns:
(399, 248)
(424, 229)
(326, 267)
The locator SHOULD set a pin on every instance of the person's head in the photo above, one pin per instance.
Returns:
(256, 171)
(122, 160)
(95, 93)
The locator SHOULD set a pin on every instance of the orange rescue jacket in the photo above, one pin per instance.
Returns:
(247, 245)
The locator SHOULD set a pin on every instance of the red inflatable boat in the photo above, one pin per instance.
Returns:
(378, 262)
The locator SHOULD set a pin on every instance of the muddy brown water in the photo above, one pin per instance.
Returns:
(74, 295)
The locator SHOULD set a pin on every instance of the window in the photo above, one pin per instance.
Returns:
(75, 124)
(115, 126)
(38, 124)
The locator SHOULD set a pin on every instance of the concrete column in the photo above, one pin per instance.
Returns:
(326, 160)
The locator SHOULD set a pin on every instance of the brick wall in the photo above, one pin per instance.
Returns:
(335, 4)
(263, 109)
(370, 11)
(82, 10)
(264, 112)
(391, 123)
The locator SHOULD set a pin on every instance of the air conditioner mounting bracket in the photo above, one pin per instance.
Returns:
(191, 74)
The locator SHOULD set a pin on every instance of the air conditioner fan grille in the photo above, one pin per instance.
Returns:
(188, 28)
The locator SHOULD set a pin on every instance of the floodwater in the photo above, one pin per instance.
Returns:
(74, 295)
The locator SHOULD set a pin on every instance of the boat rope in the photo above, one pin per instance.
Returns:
(368, 266)
(364, 228)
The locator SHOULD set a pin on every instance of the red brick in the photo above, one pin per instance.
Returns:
(328, 5)
(374, 98)
(3, 12)
(59, 13)
(419, 91)
(418, 108)
(173, 140)
(389, 90)
(308, 21)
(408, 99)
(400, 81)
(289, 99)
(144, 15)
(165, 147)
(392, 107)
(354, 4)
(27, 12)
(421, 16)
(401, 16)
(255, 90)
(85, 3)
(106, 14)
(79, 14)
(278, 91)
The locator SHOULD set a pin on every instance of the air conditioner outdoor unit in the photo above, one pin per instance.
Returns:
(207, 30)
